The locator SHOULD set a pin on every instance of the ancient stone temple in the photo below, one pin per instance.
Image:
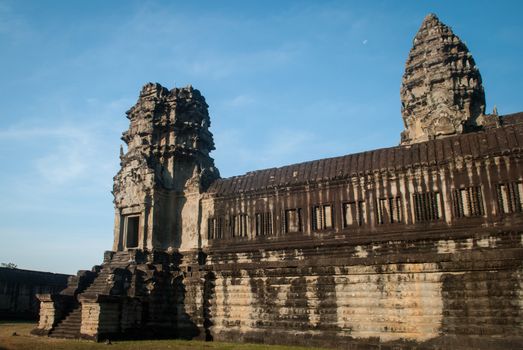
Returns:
(414, 246)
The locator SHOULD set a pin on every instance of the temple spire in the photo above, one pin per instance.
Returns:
(442, 92)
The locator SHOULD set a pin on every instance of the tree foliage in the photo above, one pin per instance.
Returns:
(9, 265)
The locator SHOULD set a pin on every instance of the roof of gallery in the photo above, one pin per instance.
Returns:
(503, 140)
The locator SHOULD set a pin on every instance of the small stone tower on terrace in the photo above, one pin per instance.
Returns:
(166, 167)
(441, 93)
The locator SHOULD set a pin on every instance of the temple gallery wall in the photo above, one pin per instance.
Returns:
(414, 246)
(18, 289)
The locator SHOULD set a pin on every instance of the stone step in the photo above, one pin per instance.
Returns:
(69, 327)
(99, 285)
(70, 324)
(66, 330)
(73, 317)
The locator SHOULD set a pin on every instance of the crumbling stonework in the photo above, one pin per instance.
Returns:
(442, 92)
(418, 246)
(164, 170)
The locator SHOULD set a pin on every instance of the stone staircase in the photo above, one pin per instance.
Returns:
(99, 285)
(120, 259)
(69, 327)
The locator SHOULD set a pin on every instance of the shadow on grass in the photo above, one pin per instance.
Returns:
(17, 322)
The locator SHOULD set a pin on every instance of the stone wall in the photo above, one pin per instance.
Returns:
(406, 251)
(18, 289)
(453, 288)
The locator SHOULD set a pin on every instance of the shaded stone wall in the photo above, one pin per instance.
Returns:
(18, 289)
(443, 269)
(480, 188)
(431, 289)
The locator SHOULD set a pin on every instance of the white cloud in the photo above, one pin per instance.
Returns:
(67, 152)
(67, 163)
(71, 149)
(60, 173)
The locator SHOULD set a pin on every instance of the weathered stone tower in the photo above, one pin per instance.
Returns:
(164, 171)
(150, 284)
(442, 92)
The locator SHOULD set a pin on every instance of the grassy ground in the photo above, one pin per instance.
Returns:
(23, 340)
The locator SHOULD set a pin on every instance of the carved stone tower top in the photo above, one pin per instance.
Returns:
(167, 129)
(167, 164)
(441, 93)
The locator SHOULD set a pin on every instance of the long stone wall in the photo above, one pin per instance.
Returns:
(456, 289)
(18, 289)
(453, 288)
(423, 255)
(469, 180)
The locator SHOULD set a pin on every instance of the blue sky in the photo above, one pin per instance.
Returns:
(286, 81)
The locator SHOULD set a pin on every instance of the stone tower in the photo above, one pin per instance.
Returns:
(165, 169)
(441, 93)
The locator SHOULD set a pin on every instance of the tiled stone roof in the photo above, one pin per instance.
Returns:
(477, 145)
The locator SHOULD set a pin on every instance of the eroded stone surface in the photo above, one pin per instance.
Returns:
(442, 92)
(164, 169)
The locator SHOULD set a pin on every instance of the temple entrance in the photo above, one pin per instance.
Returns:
(131, 230)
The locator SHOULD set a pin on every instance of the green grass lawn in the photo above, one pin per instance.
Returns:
(23, 340)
